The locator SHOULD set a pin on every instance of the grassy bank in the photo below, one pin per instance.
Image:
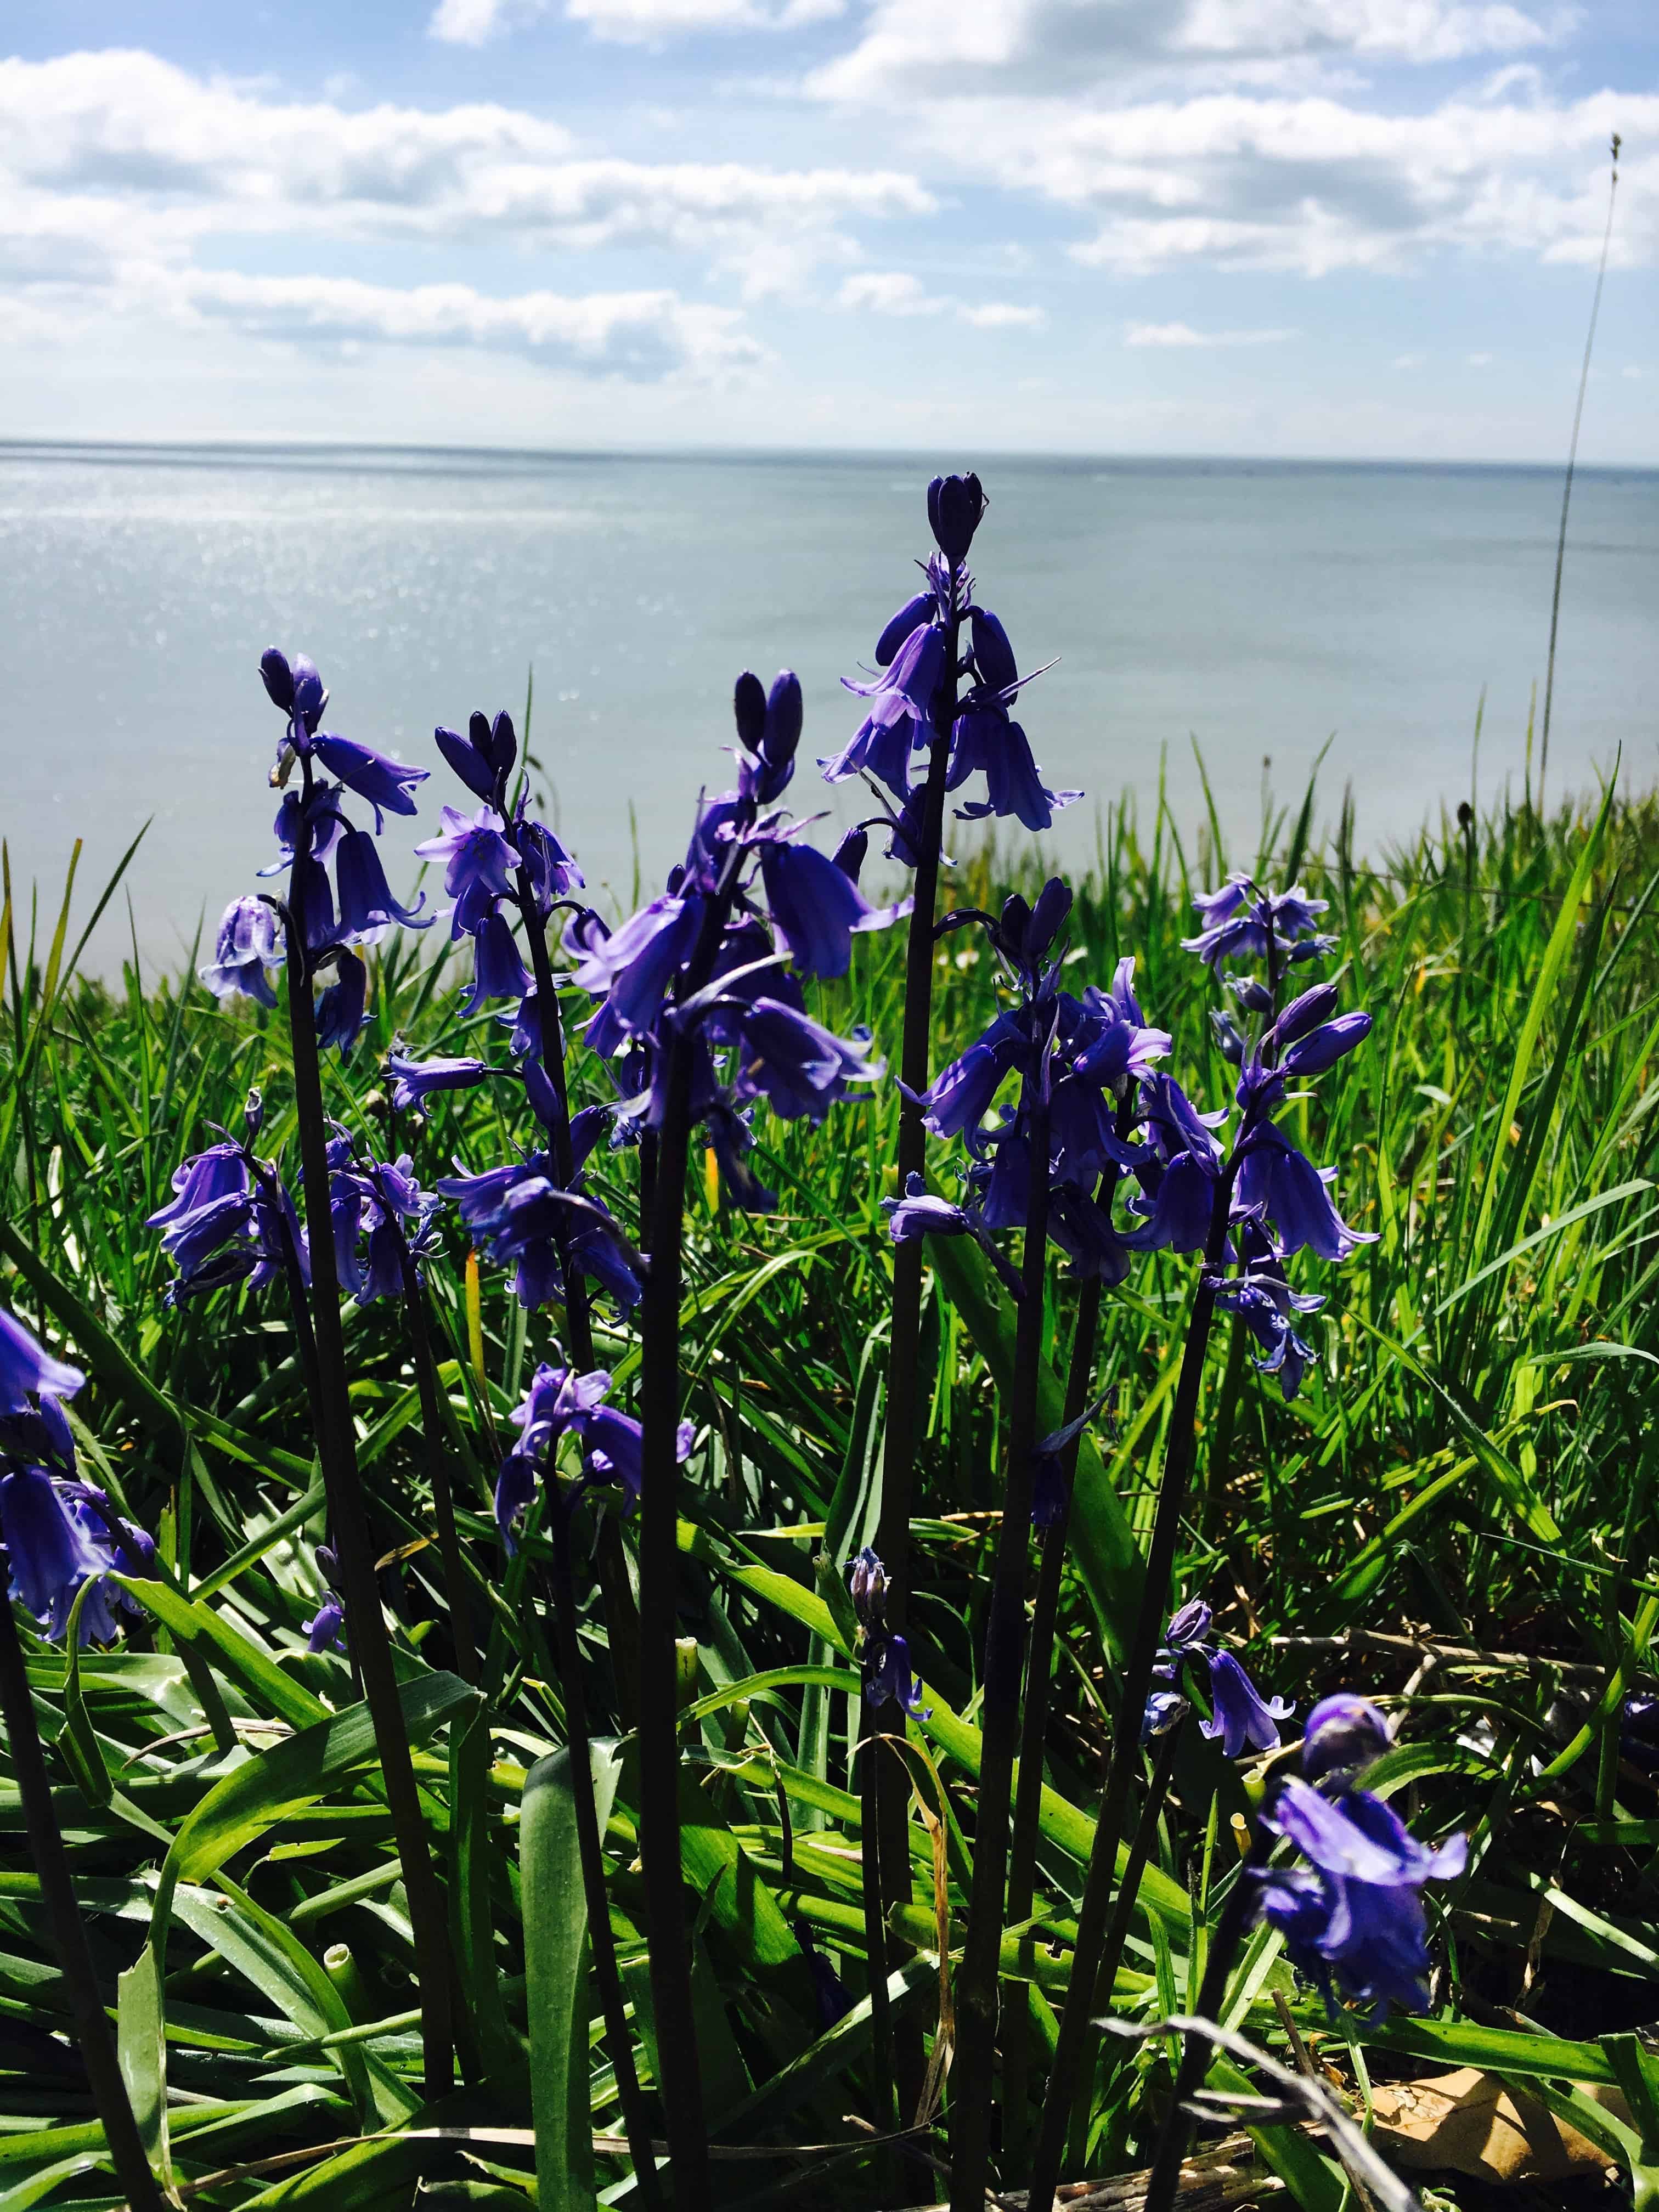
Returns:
(1456, 1516)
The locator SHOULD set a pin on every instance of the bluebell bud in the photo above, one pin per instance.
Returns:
(1048, 917)
(1227, 1036)
(993, 657)
(1305, 1013)
(1344, 1734)
(910, 616)
(467, 757)
(1013, 923)
(277, 679)
(955, 505)
(781, 731)
(253, 1112)
(749, 705)
(1256, 997)
(849, 854)
(310, 694)
(503, 746)
(868, 1584)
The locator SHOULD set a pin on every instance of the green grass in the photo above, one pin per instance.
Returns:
(1472, 1464)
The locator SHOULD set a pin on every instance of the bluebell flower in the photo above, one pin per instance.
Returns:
(323, 1631)
(959, 1097)
(887, 1676)
(1242, 1717)
(560, 1401)
(1359, 1912)
(850, 853)
(986, 740)
(1188, 1630)
(417, 1081)
(27, 1370)
(1165, 1708)
(1240, 920)
(909, 617)
(1047, 1490)
(384, 783)
(817, 909)
(249, 940)
(730, 1137)
(296, 689)
(798, 1066)
(367, 906)
(478, 862)
(1344, 1734)
(919, 1214)
(634, 967)
(341, 1009)
(833, 2000)
(900, 719)
(769, 729)
(231, 1220)
(52, 1551)
(498, 971)
(552, 871)
(1278, 1181)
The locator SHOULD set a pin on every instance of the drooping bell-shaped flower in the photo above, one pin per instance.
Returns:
(249, 942)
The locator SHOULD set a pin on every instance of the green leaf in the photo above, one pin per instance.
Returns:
(196, 1625)
(555, 1903)
(141, 2047)
(1496, 2049)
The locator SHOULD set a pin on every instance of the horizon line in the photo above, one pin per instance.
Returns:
(873, 455)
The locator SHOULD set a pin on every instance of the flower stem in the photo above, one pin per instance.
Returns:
(1125, 1737)
(1236, 1917)
(1123, 1912)
(681, 2082)
(1005, 1636)
(889, 1834)
(68, 1936)
(600, 1940)
(622, 1615)
(437, 1468)
(349, 1519)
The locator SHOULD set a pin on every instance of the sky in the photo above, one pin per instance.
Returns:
(1360, 228)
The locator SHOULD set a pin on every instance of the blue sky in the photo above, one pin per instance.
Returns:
(1279, 227)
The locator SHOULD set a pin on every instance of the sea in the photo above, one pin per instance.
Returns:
(1257, 615)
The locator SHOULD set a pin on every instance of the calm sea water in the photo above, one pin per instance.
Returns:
(1257, 608)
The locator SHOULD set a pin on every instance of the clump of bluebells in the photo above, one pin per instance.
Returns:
(231, 1218)
(561, 1403)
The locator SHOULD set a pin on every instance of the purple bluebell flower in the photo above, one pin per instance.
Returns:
(887, 1676)
(368, 909)
(833, 2000)
(498, 971)
(1278, 1181)
(960, 1096)
(633, 968)
(52, 1551)
(417, 1081)
(323, 1631)
(769, 729)
(919, 1214)
(850, 853)
(1240, 920)
(798, 1066)
(817, 909)
(341, 1009)
(910, 617)
(27, 1370)
(1188, 1628)
(1357, 1910)
(483, 758)
(986, 740)
(560, 1401)
(384, 783)
(900, 719)
(478, 862)
(1344, 1734)
(248, 943)
(1165, 1708)
(553, 872)
(1242, 1717)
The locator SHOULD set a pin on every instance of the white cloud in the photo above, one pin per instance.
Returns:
(106, 145)
(1409, 360)
(897, 292)
(1031, 43)
(891, 292)
(1183, 334)
(639, 336)
(1478, 360)
(474, 22)
(1003, 315)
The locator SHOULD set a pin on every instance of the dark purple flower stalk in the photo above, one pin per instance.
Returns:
(311, 827)
(50, 1554)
